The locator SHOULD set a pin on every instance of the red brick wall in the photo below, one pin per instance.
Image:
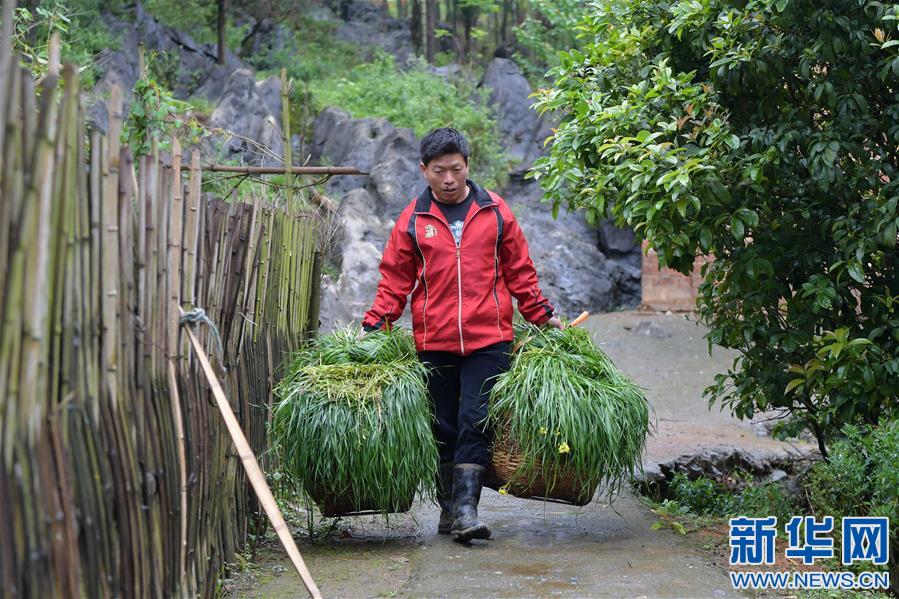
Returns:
(666, 289)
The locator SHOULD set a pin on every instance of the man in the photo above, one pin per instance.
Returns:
(459, 251)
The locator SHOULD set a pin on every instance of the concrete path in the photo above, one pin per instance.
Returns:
(547, 550)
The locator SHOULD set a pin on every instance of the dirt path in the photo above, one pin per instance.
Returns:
(547, 550)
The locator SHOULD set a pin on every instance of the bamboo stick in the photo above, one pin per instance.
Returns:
(110, 248)
(191, 231)
(93, 267)
(28, 114)
(11, 168)
(176, 232)
(7, 72)
(140, 264)
(285, 130)
(38, 206)
(175, 286)
(13, 185)
(254, 472)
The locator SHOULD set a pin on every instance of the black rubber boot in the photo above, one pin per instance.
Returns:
(467, 482)
(445, 498)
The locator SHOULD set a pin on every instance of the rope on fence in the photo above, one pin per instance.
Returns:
(196, 315)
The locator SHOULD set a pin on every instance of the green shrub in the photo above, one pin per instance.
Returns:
(81, 32)
(707, 497)
(761, 501)
(315, 54)
(420, 100)
(860, 478)
(702, 496)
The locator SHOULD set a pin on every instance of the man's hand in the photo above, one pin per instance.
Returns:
(555, 322)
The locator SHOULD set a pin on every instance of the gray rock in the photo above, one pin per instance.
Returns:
(394, 182)
(363, 143)
(616, 240)
(651, 475)
(369, 27)
(446, 72)
(523, 130)
(214, 82)
(717, 461)
(364, 235)
(333, 312)
(776, 475)
(251, 109)
(248, 108)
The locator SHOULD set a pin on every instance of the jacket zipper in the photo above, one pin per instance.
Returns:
(459, 270)
(459, 281)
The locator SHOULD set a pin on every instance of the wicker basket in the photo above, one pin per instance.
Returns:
(335, 505)
(565, 487)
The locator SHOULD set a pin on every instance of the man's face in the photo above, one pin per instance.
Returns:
(446, 175)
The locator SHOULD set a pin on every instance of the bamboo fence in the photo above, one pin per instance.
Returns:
(117, 476)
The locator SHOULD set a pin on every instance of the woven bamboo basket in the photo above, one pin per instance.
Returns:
(334, 505)
(564, 487)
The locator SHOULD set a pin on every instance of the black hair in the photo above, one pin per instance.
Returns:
(441, 142)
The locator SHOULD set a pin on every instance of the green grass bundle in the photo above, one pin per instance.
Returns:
(569, 411)
(353, 421)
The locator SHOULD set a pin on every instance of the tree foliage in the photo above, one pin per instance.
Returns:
(764, 133)
(547, 30)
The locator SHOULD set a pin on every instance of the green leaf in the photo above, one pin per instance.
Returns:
(889, 235)
(736, 228)
(705, 239)
(856, 272)
(794, 384)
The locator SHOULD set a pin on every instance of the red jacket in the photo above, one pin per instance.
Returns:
(461, 297)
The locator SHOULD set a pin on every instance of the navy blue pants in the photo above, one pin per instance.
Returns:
(459, 387)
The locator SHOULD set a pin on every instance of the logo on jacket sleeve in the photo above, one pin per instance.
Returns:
(430, 231)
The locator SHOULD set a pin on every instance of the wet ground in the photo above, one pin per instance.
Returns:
(545, 549)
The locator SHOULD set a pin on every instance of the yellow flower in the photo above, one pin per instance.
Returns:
(563, 448)
(558, 433)
(503, 490)
(542, 430)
